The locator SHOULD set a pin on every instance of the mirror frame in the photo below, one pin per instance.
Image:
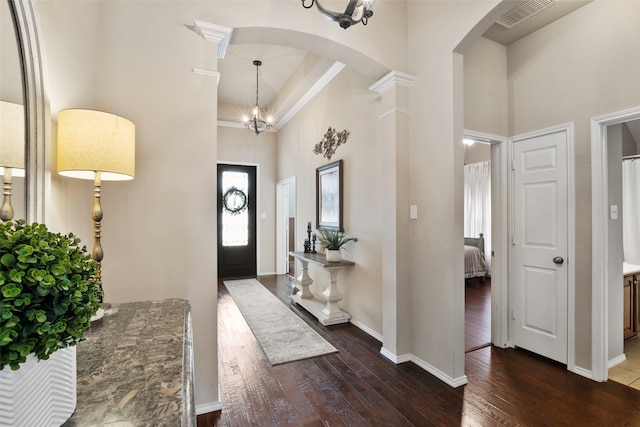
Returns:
(37, 108)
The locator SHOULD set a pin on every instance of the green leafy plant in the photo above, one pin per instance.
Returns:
(333, 239)
(49, 289)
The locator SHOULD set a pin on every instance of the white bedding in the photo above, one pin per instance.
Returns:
(474, 265)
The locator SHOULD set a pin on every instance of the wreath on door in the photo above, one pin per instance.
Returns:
(235, 200)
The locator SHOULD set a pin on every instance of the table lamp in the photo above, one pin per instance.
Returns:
(99, 146)
(12, 151)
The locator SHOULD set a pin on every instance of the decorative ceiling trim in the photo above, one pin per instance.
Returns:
(394, 110)
(394, 78)
(313, 91)
(230, 124)
(215, 34)
(209, 73)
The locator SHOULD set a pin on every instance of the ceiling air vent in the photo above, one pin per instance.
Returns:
(526, 9)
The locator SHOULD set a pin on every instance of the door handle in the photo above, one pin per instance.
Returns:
(558, 260)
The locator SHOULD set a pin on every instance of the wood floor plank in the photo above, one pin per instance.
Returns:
(358, 386)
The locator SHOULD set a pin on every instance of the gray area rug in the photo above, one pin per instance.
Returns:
(283, 336)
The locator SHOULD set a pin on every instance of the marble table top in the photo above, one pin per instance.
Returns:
(135, 367)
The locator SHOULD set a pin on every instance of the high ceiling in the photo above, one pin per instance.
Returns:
(549, 14)
(238, 74)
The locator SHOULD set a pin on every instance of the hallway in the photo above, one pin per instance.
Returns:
(359, 387)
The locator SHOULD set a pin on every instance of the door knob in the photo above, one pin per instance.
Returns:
(558, 260)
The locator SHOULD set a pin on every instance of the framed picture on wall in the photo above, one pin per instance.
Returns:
(329, 196)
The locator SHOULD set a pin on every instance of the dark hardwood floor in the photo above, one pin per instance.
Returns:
(359, 387)
(477, 314)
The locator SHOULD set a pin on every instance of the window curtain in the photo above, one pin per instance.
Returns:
(477, 205)
(631, 210)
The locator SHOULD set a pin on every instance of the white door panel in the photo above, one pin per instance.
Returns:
(540, 235)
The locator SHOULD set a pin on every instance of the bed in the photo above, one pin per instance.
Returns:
(474, 265)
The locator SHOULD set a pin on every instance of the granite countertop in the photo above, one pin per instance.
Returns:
(135, 367)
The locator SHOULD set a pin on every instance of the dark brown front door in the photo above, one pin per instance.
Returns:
(236, 221)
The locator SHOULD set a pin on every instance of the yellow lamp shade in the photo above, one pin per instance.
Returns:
(92, 141)
(12, 141)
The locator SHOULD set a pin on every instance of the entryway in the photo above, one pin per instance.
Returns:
(236, 221)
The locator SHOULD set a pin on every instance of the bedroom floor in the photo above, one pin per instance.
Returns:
(477, 314)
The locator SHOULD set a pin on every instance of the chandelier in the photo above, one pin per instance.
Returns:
(356, 11)
(256, 123)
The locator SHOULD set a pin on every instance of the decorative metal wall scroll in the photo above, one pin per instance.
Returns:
(330, 143)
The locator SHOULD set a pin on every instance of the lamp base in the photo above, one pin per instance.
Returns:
(106, 309)
(99, 315)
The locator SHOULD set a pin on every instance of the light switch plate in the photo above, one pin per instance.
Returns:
(413, 212)
(614, 211)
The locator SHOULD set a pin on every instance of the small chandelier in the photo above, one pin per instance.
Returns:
(356, 11)
(256, 123)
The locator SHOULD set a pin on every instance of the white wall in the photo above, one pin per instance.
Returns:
(158, 228)
(477, 152)
(485, 88)
(614, 267)
(567, 72)
(346, 103)
(436, 180)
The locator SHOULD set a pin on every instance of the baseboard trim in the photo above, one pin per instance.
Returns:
(395, 359)
(208, 407)
(366, 329)
(453, 382)
(617, 360)
(582, 372)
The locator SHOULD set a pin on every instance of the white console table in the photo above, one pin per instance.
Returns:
(324, 308)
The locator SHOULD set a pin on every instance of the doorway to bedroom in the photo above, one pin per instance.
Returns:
(477, 245)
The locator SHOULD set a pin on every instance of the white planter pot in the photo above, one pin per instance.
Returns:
(333, 255)
(40, 393)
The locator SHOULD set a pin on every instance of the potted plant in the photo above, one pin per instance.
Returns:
(49, 289)
(332, 241)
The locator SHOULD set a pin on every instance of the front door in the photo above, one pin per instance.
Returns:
(236, 221)
(541, 244)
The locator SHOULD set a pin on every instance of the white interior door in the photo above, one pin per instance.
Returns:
(541, 244)
(285, 202)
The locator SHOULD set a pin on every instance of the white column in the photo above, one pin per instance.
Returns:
(394, 124)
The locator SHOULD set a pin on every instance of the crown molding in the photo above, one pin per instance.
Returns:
(228, 124)
(215, 34)
(395, 110)
(209, 73)
(313, 91)
(394, 78)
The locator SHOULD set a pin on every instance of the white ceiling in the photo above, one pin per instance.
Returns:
(555, 11)
(238, 74)
(634, 129)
